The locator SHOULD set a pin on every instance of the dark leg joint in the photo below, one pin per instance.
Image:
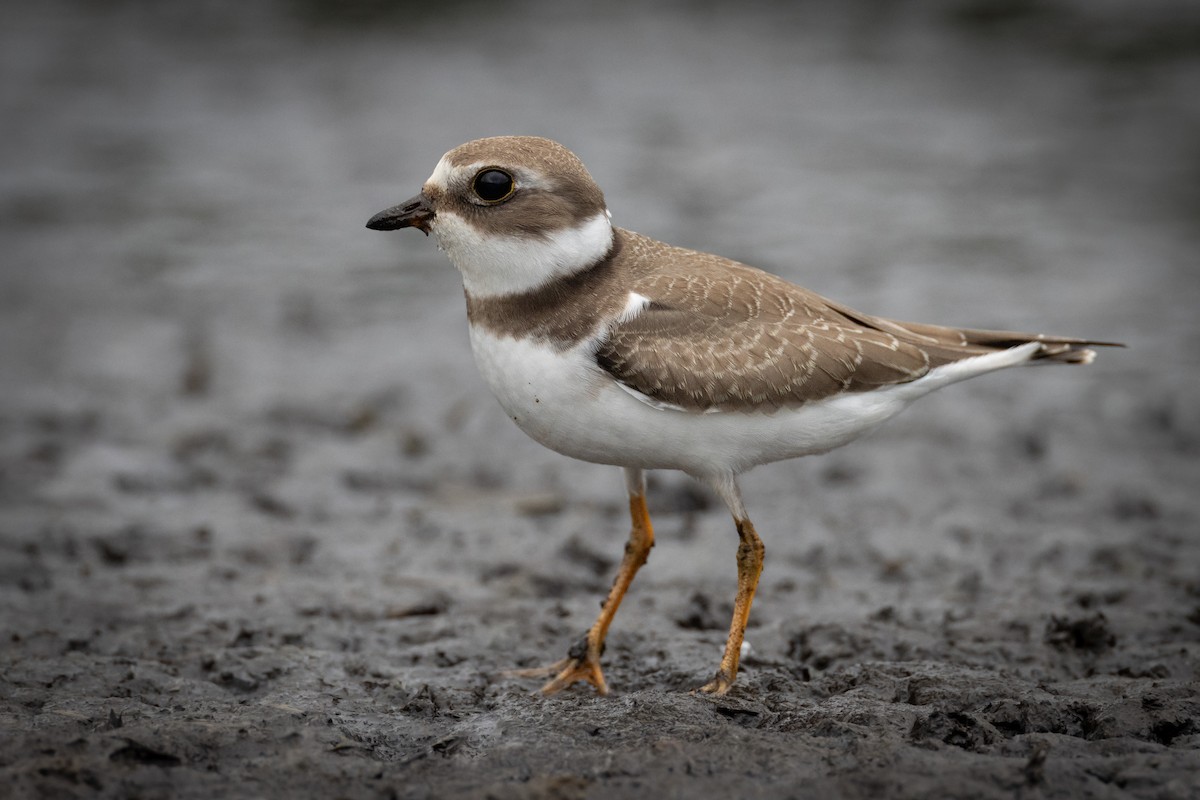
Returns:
(746, 531)
(578, 650)
(637, 553)
(751, 546)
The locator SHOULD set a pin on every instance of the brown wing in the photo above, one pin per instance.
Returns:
(727, 336)
(721, 335)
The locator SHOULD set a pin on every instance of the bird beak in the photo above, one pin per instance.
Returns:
(413, 213)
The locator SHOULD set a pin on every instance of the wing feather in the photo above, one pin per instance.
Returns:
(718, 335)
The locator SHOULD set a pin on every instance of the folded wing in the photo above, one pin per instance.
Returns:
(729, 337)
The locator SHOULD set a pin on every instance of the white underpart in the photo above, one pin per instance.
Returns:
(567, 403)
(494, 265)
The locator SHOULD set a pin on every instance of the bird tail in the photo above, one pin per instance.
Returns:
(946, 345)
(1051, 349)
(954, 343)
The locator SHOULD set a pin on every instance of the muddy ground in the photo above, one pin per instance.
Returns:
(263, 533)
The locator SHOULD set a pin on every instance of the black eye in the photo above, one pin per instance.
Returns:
(493, 185)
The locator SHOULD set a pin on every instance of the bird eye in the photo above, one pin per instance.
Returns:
(493, 185)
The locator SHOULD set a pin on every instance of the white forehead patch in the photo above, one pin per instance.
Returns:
(441, 174)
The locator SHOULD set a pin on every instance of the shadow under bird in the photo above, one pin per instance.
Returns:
(611, 347)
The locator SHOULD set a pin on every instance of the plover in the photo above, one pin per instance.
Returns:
(611, 347)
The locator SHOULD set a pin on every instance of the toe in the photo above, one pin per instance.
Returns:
(577, 670)
(719, 685)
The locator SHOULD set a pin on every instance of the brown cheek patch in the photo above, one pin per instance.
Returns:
(534, 212)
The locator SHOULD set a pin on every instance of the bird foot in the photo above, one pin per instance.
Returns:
(581, 664)
(566, 672)
(720, 684)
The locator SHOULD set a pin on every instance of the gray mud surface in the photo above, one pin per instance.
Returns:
(263, 532)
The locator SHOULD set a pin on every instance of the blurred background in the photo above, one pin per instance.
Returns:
(184, 187)
(245, 456)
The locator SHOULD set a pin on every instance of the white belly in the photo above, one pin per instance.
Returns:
(567, 403)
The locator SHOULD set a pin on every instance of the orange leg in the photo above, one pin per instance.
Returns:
(750, 562)
(583, 658)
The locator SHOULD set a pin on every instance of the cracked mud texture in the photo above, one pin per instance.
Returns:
(263, 532)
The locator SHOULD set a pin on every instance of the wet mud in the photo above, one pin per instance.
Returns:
(263, 533)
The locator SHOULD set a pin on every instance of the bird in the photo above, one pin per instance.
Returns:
(608, 346)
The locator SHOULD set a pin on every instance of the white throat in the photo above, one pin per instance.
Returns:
(493, 265)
